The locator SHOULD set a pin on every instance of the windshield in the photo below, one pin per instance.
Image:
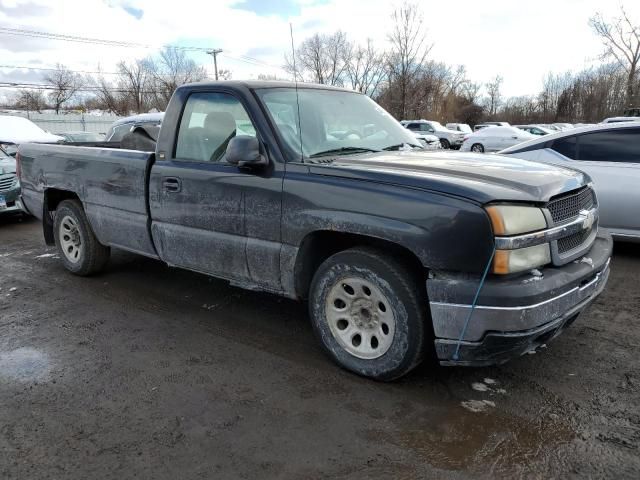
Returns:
(333, 122)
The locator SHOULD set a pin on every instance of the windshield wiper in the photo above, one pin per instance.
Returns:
(400, 145)
(342, 151)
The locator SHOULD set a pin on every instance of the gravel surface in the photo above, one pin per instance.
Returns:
(152, 372)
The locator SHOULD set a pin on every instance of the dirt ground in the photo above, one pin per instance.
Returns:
(152, 372)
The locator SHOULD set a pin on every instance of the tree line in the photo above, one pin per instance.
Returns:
(403, 78)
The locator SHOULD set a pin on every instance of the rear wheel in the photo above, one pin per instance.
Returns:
(477, 147)
(78, 247)
(368, 313)
(445, 143)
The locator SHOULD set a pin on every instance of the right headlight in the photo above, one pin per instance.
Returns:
(509, 220)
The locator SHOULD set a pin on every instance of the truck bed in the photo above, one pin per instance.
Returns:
(111, 182)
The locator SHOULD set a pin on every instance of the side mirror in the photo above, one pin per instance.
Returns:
(244, 151)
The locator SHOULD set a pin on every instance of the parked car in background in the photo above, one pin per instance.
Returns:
(9, 185)
(610, 154)
(72, 137)
(562, 126)
(124, 125)
(498, 124)
(459, 127)
(480, 126)
(428, 141)
(620, 119)
(492, 139)
(536, 129)
(16, 130)
(448, 138)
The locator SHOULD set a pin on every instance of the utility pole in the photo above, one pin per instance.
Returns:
(214, 53)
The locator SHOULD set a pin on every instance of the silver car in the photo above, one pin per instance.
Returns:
(9, 185)
(610, 155)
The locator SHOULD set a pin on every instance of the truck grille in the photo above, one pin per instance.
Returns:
(574, 241)
(569, 205)
(7, 181)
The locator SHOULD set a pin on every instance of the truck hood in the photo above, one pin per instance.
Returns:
(478, 177)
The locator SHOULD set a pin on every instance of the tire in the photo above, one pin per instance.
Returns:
(77, 245)
(445, 143)
(391, 295)
(477, 147)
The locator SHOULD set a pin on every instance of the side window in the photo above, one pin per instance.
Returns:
(425, 127)
(209, 122)
(613, 146)
(414, 127)
(120, 131)
(565, 146)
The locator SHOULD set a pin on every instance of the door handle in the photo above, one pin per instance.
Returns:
(171, 184)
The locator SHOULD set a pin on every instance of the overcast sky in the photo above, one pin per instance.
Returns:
(521, 41)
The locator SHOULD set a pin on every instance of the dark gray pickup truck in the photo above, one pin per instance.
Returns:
(317, 193)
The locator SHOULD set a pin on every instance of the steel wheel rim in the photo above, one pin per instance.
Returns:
(360, 318)
(70, 240)
(476, 148)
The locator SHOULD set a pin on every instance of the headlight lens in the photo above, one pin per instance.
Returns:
(521, 259)
(515, 219)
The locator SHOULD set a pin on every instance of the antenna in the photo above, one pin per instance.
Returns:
(295, 79)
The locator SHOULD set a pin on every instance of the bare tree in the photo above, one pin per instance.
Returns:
(365, 67)
(409, 50)
(621, 38)
(65, 83)
(32, 100)
(321, 58)
(134, 83)
(494, 97)
(168, 71)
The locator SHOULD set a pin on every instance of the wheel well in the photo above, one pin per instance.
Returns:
(52, 198)
(318, 246)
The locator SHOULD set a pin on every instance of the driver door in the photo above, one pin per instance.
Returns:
(197, 199)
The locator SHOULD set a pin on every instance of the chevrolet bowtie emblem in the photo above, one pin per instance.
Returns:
(589, 218)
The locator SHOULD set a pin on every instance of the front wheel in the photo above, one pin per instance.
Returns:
(78, 248)
(369, 314)
(445, 143)
(477, 147)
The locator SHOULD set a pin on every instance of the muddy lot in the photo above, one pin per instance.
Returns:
(152, 372)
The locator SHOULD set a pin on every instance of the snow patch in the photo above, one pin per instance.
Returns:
(490, 381)
(477, 406)
(479, 387)
(48, 255)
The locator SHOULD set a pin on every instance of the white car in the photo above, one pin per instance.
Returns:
(538, 130)
(448, 138)
(620, 119)
(459, 127)
(610, 155)
(428, 141)
(493, 139)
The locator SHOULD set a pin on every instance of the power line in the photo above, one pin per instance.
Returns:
(54, 69)
(118, 43)
(90, 40)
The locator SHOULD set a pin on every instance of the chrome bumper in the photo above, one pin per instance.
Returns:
(449, 318)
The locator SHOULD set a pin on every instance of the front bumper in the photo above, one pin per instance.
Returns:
(513, 315)
(12, 200)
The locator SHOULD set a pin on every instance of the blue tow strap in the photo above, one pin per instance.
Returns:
(473, 304)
